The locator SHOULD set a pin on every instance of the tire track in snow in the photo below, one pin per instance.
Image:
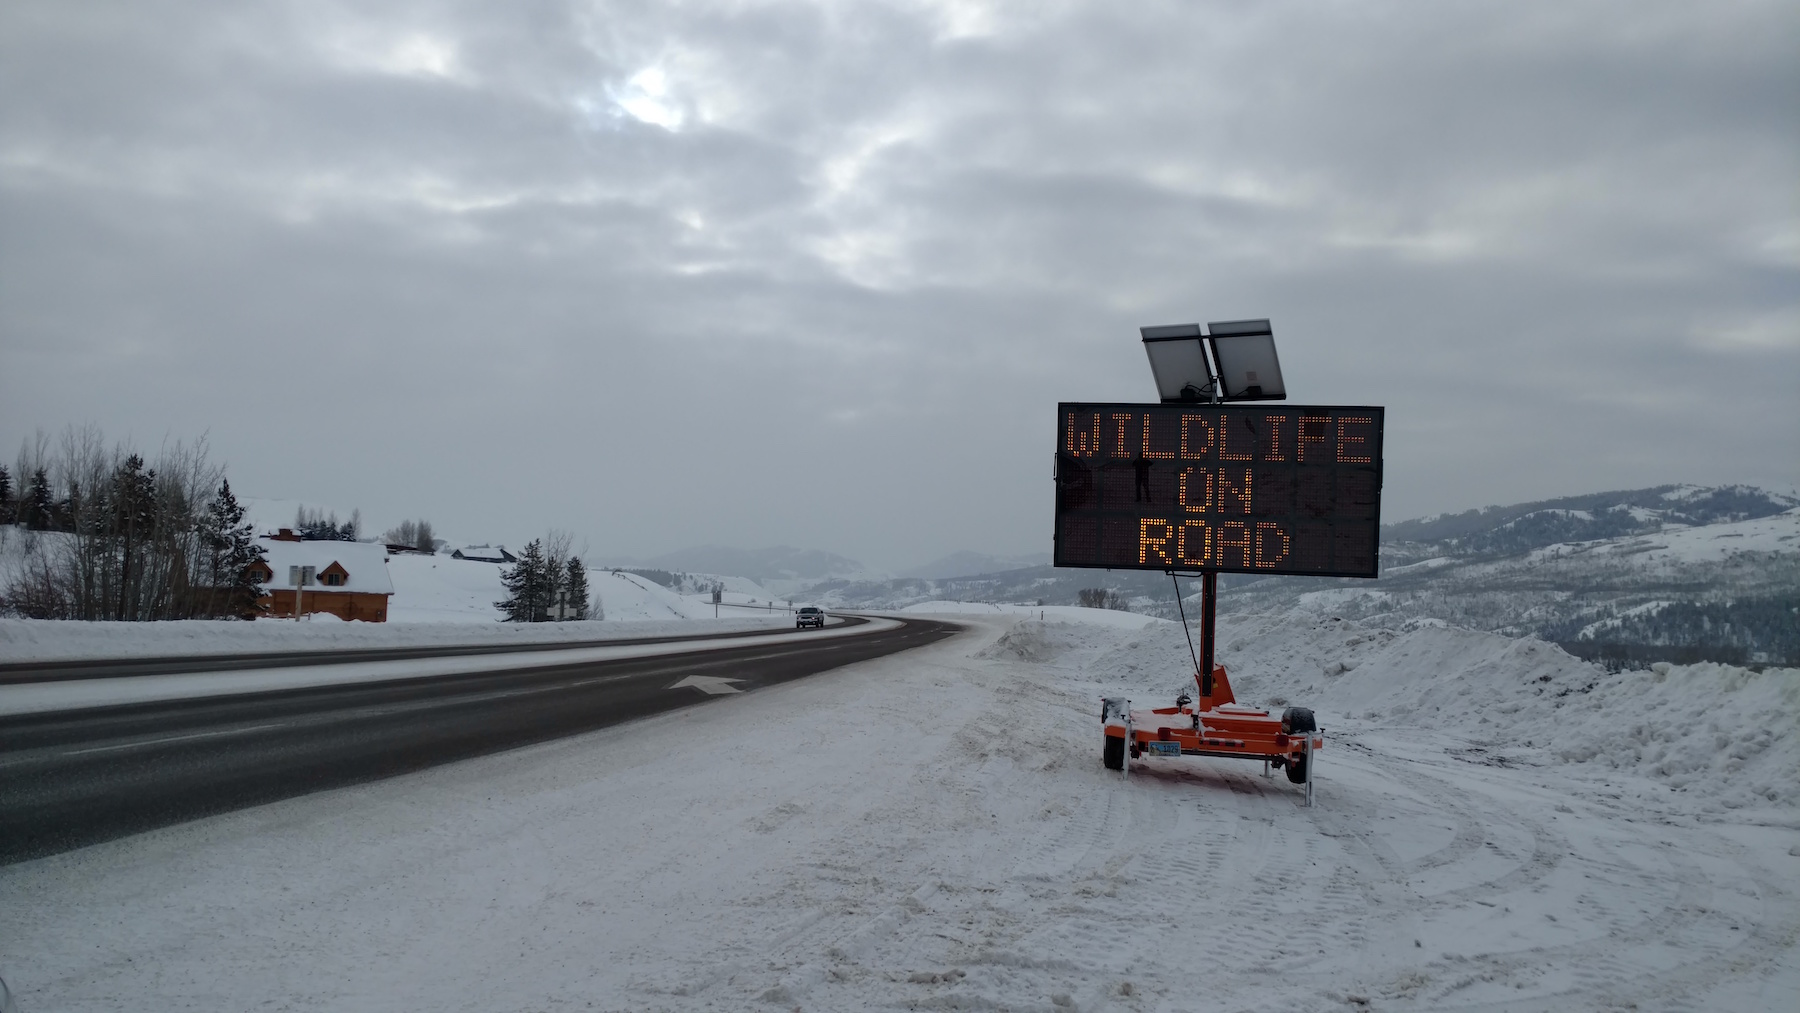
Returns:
(1653, 951)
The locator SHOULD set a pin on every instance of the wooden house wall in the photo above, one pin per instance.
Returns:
(352, 605)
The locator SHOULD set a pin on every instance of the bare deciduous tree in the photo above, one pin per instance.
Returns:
(117, 537)
(412, 534)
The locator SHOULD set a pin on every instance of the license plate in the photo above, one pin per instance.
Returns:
(1164, 748)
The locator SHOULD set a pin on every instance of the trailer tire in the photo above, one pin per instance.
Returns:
(1295, 720)
(1296, 769)
(1113, 755)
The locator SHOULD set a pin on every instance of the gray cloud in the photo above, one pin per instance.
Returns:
(817, 273)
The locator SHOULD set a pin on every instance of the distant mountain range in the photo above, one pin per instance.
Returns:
(968, 564)
(780, 563)
(785, 563)
(1498, 530)
(1676, 573)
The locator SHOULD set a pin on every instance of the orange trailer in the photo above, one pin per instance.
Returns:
(1217, 726)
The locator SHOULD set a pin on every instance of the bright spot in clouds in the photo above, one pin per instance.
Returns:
(412, 55)
(1765, 332)
(422, 56)
(645, 98)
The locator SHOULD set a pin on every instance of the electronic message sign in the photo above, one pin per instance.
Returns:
(1233, 488)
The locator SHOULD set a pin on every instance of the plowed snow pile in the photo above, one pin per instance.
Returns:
(1498, 827)
(28, 640)
(1727, 735)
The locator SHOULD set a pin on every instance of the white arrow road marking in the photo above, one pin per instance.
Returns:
(710, 684)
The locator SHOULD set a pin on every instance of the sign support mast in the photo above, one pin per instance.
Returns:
(1209, 596)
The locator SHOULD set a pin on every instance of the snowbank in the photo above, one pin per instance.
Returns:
(48, 640)
(1727, 735)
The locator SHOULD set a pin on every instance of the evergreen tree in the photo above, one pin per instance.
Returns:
(576, 586)
(555, 579)
(133, 520)
(313, 526)
(34, 505)
(318, 526)
(527, 585)
(231, 549)
(6, 495)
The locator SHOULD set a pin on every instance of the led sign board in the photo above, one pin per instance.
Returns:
(1287, 489)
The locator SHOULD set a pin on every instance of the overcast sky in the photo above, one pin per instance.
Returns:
(750, 273)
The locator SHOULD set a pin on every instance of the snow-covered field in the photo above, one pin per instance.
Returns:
(436, 589)
(1498, 827)
(437, 600)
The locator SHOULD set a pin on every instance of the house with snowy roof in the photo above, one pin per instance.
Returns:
(350, 579)
(485, 554)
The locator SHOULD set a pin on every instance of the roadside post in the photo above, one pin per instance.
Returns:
(1130, 741)
(1309, 769)
(300, 577)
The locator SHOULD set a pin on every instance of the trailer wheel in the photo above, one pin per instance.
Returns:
(1114, 753)
(1296, 769)
(1295, 720)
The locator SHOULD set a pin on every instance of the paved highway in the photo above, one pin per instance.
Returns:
(112, 668)
(73, 778)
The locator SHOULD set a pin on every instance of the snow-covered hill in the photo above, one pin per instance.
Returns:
(781, 564)
(443, 589)
(1523, 526)
(1727, 589)
(967, 563)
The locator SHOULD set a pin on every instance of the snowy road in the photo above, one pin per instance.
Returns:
(935, 831)
(137, 664)
(86, 760)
